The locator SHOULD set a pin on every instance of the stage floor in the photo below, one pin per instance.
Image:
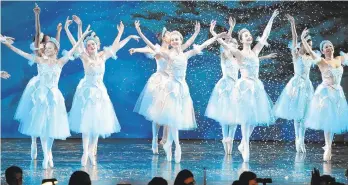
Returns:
(131, 161)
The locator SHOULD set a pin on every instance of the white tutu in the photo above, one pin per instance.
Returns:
(173, 105)
(328, 109)
(41, 110)
(92, 112)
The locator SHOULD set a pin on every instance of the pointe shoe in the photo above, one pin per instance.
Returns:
(45, 162)
(327, 154)
(154, 146)
(33, 151)
(178, 154)
(168, 150)
(92, 158)
(84, 159)
(50, 159)
(229, 146)
(225, 146)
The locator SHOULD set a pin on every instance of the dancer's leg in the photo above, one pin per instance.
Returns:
(297, 135)
(85, 144)
(33, 151)
(301, 138)
(231, 132)
(224, 128)
(155, 129)
(49, 150)
(45, 152)
(93, 141)
(164, 135)
(175, 137)
(168, 145)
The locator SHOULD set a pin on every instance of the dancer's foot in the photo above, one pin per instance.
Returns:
(178, 154)
(327, 154)
(168, 150)
(33, 151)
(45, 162)
(91, 157)
(84, 159)
(154, 146)
(50, 160)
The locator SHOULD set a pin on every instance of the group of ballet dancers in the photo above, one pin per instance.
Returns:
(165, 99)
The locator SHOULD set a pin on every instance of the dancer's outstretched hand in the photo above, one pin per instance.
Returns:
(212, 25)
(67, 23)
(77, 19)
(59, 27)
(232, 21)
(197, 27)
(131, 51)
(37, 9)
(5, 75)
(305, 33)
(275, 13)
(135, 37)
(120, 27)
(137, 25)
(6, 40)
(290, 18)
(272, 55)
(88, 31)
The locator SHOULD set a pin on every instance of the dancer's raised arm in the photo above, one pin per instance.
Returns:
(234, 51)
(344, 58)
(190, 41)
(59, 30)
(232, 23)
(269, 56)
(116, 44)
(147, 41)
(70, 53)
(306, 46)
(263, 39)
(198, 48)
(141, 50)
(7, 43)
(294, 34)
(37, 41)
(79, 25)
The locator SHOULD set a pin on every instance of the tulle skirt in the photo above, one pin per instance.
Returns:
(41, 112)
(328, 110)
(220, 104)
(152, 87)
(253, 106)
(173, 106)
(294, 101)
(92, 112)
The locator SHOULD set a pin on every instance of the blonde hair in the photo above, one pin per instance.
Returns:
(177, 33)
(240, 33)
